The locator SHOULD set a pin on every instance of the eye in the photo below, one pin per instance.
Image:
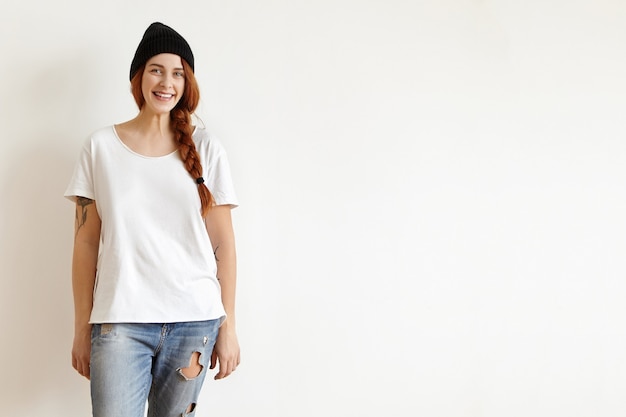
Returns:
(155, 71)
(179, 74)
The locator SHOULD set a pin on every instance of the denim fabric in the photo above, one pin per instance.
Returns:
(135, 362)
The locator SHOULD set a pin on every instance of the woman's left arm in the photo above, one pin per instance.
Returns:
(220, 228)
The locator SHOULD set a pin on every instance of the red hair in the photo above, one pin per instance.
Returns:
(180, 118)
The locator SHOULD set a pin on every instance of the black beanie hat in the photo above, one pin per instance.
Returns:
(159, 39)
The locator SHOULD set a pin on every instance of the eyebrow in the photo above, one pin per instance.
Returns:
(161, 66)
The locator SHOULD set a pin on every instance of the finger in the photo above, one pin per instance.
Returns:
(87, 370)
(221, 372)
(213, 360)
(77, 364)
(230, 368)
(82, 367)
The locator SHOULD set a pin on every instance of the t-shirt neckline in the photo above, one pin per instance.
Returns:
(121, 142)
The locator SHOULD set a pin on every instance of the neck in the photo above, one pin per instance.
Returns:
(149, 134)
(153, 125)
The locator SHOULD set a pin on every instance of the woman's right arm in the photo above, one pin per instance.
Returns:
(84, 260)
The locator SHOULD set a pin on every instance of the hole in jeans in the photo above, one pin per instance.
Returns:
(190, 409)
(194, 368)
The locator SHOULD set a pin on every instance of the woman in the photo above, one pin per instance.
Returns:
(154, 268)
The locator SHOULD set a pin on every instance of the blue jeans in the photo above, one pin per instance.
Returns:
(164, 364)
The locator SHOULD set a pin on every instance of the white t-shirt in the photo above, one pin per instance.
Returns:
(156, 263)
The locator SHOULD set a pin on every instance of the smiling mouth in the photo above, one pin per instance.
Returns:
(163, 96)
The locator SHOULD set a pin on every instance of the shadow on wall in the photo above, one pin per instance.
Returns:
(36, 292)
(36, 244)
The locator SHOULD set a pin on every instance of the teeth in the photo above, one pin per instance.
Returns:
(164, 95)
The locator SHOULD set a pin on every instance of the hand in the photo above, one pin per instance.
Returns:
(226, 352)
(81, 351)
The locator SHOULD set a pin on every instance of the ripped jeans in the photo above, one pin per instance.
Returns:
(163, 364)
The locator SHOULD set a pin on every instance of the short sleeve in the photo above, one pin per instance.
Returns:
(81, 183)
(217, 174)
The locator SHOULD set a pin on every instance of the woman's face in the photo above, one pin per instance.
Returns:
(163, 83)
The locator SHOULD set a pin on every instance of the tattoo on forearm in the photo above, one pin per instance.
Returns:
(81, 206)
(215, 253)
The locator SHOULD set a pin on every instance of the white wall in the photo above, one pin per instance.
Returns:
(432, 199)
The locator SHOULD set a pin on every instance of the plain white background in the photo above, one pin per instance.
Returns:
(433, 199)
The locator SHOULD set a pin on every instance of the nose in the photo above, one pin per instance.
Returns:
(166, 81)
